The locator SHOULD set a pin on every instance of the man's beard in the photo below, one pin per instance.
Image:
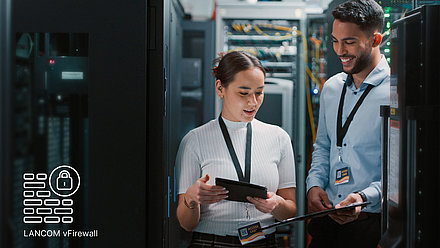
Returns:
(361, 63)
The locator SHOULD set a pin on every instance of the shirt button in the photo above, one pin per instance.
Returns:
(339, 196)
(345, 144)
(355, 93)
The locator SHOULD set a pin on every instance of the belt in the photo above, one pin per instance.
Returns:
(206, 237)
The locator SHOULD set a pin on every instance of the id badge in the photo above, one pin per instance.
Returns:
(342, 175)
(250, 233)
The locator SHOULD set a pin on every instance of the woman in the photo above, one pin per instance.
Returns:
(204, 155)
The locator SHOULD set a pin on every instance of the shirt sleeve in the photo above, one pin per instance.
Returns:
(286, 166)
(188, 169)
(373, 193)
(320, 167)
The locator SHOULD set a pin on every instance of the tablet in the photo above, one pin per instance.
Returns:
(253, 232)
(333, 210)
(317, 214)
(239, 190)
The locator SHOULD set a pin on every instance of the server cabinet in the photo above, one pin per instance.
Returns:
(195, 89)
(410, 201)
(50, 127)
(198, 91)
(83, 106)
(173, 34)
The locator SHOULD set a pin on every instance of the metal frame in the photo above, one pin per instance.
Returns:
(5, 108)
(155, 92)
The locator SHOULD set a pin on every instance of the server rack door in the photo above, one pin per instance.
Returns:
(413, 144)
(78, 100)
(5, 88)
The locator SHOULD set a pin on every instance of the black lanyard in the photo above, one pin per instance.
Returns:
(341, 131)
(247, 161)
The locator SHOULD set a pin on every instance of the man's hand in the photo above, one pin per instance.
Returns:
(318, 200)
(343, 217)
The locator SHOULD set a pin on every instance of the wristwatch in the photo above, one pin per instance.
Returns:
(363, 196)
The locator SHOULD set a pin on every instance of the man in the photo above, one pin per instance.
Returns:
(346, 162)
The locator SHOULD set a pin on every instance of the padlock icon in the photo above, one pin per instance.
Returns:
(64, 181)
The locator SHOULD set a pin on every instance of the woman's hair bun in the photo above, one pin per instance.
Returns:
(229, 64)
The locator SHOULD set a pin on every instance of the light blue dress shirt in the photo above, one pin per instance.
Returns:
(361, 146)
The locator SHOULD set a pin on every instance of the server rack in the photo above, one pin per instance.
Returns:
(192, 99)
(412, 183)
(272, 32)
(50, 127)
(316, 74)
(114, 141)
(197, 78)
(172, 54)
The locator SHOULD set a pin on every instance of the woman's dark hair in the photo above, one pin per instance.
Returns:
(232, 63)
(367, 14)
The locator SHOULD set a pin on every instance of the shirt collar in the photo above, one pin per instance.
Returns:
(234, 124)
(376, 76)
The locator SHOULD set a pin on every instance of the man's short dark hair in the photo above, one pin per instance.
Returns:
(367, 14)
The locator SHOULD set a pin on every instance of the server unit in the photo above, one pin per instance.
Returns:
(411, 171)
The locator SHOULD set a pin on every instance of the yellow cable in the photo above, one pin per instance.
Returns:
(309, 72)
(234, 26)
(258, 29)
(283, 28)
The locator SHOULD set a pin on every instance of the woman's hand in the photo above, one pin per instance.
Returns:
(266, 205)
(188, 208)
(202, 193)
(280, 204)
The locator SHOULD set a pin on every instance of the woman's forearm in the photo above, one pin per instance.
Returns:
(188, 216)
(285, 210)
(287, 206)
